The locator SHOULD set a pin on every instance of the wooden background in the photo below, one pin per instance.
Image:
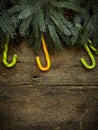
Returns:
(64, 98)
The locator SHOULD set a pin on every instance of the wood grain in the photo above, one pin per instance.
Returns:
(64, 98)
(26, 107)
(66, 69)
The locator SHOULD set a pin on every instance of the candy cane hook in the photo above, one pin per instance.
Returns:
(46, 56)
(14, 60)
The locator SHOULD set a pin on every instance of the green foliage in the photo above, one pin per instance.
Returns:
(8, 22)
(45, 15)
(33, 18)
(86, 23)
(1, 38)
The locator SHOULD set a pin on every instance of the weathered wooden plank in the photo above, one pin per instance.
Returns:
(66, 69)
(63, 98)
(25, 73)
(47, 108)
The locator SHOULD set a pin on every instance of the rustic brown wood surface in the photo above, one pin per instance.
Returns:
(64, 98)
